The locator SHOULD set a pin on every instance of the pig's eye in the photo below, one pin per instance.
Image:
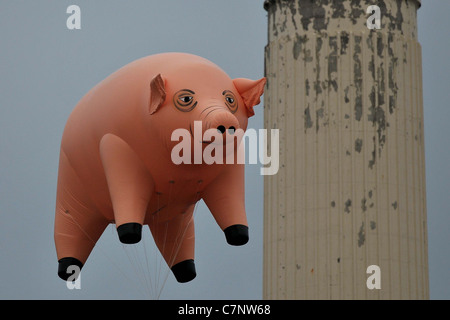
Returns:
(184, 100)
(230, 100)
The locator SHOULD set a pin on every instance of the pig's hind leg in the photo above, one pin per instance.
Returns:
(78, 225)
(175, 239)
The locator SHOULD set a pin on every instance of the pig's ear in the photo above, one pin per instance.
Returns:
(157, 93)
(250, 91)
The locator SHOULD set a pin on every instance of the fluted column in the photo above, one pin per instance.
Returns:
(350, 191)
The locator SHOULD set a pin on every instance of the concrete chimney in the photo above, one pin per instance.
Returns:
(345, 216)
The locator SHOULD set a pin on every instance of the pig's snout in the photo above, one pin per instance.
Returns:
(224, 122)
(222, 129)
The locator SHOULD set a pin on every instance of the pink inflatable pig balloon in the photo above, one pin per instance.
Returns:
(116, 165)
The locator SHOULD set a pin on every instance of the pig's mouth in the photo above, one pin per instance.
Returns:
(202, 141)
(209, 142)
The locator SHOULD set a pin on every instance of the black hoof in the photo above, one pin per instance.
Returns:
(237, 235)
(130, 233)
(64, 263)
(184, 271)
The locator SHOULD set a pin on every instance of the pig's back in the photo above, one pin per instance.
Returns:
(116, 104)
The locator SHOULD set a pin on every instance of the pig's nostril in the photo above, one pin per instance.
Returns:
(231, 130)
(221, 129)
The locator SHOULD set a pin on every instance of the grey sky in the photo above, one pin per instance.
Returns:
(46, 68)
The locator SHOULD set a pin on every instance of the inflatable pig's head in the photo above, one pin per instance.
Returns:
(196, 96)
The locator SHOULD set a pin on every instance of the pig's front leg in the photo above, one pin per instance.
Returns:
(225, 199)
(130, 186)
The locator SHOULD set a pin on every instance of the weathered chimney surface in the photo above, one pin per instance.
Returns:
(350, 192)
